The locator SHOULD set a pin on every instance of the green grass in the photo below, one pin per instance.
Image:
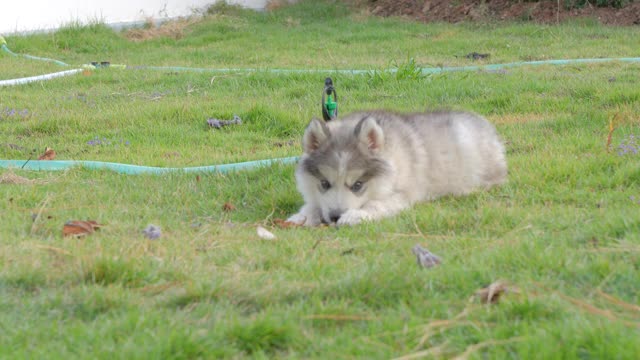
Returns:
(565, 229)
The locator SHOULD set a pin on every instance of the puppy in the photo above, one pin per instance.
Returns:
(370, 165)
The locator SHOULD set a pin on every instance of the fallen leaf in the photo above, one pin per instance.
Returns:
(425, 258)
(49, 154)
(79, 228)
(284, 224)
(228, 207)
(265, 234)
(491, 294)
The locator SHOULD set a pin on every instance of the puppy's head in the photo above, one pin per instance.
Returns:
(342, 167)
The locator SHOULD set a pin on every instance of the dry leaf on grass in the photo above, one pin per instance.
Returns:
(284, 224)
(265, 234)
(228, 207)
(174, 29)
(49, 154)
(79, 228)
(492, 293)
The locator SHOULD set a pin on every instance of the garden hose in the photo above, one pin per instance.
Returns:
(3, 45)
(424, 70)
(30, 79)
(50, 165)
(135, 169)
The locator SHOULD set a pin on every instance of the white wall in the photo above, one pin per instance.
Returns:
(32, 15)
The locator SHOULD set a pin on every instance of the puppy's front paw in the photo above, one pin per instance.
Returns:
(304, 219)
(298, 219)
(353, 216)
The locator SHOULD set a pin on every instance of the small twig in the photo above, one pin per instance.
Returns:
(316, 244)
(612, 127)
(443, 237)
(615, 300)
(442, 323)
(475, 347)
(440, 326)
(434, 351)
(155, 289)
(39, 213)
(415, 225)
(267, 219)
(215, 77)
(591, 308)
(330, 55)
(339, 317)
(54, 249)
(602, 283)
(612, 249)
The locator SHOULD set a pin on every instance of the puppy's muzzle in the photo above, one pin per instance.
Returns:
(334, 215)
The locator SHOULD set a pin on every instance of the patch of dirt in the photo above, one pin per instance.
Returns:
(547, 12)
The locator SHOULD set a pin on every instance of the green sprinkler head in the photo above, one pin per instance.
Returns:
(329, 101)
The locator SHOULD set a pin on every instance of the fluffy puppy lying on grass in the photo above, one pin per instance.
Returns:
(370, 165)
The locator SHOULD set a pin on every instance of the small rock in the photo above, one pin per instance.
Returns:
(265, 234)
(476, 56)
(152, 232)
(218, 124)
(425, 258)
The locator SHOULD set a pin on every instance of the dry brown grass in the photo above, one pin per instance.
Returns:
(10, 178)
(173, 29)
(277, 4)
(517, 118)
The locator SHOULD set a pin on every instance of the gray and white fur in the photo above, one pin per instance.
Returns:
(370, 165)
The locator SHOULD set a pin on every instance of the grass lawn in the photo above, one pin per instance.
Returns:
(564, 232)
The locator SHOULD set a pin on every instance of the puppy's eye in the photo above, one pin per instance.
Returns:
(325, 185)
(357, 186)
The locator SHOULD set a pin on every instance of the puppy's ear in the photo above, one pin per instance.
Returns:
(316, 134)
(370, 135)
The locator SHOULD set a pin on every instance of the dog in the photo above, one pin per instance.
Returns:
(371, 165)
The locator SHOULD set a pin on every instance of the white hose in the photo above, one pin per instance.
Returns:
(30, 79)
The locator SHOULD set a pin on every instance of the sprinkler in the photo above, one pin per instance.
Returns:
(329, 101)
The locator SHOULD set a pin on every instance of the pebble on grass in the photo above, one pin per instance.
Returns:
(265, 234)
(152, 232)
(218, 124)
(425, 258)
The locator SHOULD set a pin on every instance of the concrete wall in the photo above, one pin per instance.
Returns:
(34, 15)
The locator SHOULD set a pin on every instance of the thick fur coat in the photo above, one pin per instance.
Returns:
(370, 165)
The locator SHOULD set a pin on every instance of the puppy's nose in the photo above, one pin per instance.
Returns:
(334, 216)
